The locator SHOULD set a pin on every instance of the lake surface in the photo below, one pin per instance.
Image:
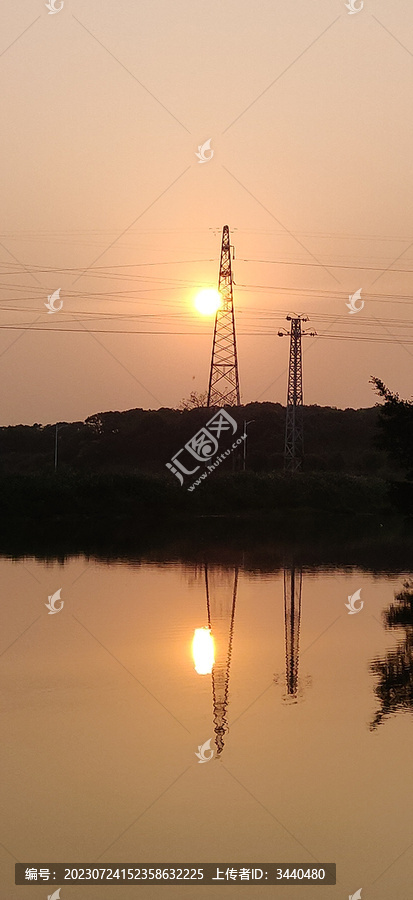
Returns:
(307, 711)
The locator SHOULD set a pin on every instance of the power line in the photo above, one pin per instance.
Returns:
(353, 337)
(281, 262)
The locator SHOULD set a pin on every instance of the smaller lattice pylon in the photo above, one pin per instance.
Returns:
(223, 387)
(294, 428)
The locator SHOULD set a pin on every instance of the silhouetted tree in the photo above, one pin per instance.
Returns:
(396, 426)
(194, 401)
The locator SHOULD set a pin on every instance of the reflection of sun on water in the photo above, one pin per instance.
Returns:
(208, 301)
(203, 651)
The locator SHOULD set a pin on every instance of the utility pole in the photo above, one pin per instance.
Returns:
(55, 446)
(56, 441)
(223, 388)
(294, 429)
(245, 442)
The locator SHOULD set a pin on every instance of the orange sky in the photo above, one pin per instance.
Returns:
(308, 110)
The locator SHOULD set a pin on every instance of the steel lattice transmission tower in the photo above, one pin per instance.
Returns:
(294, 429)
(223, 388)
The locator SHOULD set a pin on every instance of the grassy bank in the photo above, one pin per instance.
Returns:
(72, 495)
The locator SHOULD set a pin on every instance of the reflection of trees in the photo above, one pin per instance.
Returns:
(395, 671)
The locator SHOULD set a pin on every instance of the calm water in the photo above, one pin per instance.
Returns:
(307, 709)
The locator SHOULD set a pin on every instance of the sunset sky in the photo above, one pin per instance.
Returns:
(308, 110)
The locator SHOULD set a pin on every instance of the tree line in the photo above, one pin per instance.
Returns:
(372, 441)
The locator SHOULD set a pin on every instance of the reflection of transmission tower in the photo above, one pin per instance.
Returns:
(221, 598)
(293, 579)
(294, 430)
(223, 389)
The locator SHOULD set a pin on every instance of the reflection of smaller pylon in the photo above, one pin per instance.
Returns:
(221, 623)
(293, 578)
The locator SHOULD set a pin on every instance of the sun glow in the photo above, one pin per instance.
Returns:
(203, 651)
(208, 301)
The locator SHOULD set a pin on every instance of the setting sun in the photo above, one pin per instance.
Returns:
(208, 301)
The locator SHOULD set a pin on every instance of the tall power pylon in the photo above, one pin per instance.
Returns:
(223, 389)
(294, 430)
